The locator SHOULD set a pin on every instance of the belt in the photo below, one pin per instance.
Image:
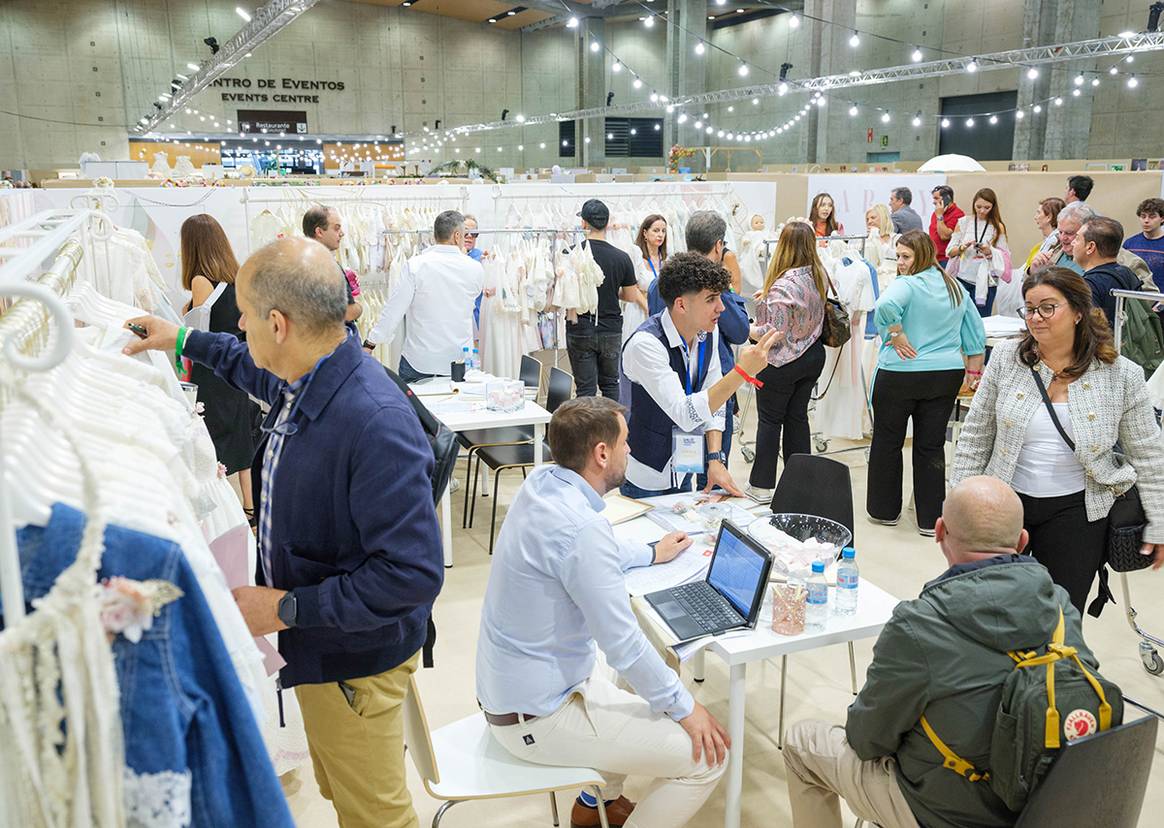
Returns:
(506, 719)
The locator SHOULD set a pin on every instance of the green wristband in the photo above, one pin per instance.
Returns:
(178, 348)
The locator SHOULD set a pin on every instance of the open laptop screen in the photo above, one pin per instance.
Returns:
(736, 569)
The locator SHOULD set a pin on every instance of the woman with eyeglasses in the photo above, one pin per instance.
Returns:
(1063, 380)
(932, 343)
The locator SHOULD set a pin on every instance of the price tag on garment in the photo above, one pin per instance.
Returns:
(687, 452)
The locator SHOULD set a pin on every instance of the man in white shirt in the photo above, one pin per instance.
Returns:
(437, 290)
(556, 595)
(677, 387)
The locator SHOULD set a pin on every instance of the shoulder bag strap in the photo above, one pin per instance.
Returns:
(1051, 410)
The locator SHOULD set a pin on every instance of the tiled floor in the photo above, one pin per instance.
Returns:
(896, 558)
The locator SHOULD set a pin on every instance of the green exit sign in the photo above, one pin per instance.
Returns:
(884, 140)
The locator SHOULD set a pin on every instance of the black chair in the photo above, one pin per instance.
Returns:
(521, 456)
(814, 485)
(476, 439)
(445, 448)
(1098, 780)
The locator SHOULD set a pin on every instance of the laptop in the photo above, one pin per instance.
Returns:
(730, 596)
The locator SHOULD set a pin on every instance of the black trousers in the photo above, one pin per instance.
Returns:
(594, 360)
(928, 397)
(782, 408)
(1066, 542)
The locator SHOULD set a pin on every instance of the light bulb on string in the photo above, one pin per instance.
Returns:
(1075, 93)
(945, 123)
(855, 40)
(821, 101)
(743, 70)
(972, 66)
(794, 21)
(700, 48)
(755, 101)
(616, 67)
(782, 89)
(993, 120)
(1037, 108)
(1058, 101)
(1132, 82)
(970, 122)
(1019, 115)
(1095, 82)
(1130, 59)
(709, 130)
(917, 55)
(594, 46)
(649, 21)
(1032, 73)
(637, 83)
(885, 117)
(917, 121)
(1078, 80)
(1113, 70)
(853, 111)
(731, 109)
(682, 118)
(699, 124)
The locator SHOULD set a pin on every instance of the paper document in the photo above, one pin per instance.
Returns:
(1002, 327)
(620, 509)
(690, 565)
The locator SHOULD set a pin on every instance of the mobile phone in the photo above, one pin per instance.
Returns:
(141, 332)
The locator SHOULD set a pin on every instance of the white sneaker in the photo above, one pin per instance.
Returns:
(454, 485)
(925, 533)
(759, 495)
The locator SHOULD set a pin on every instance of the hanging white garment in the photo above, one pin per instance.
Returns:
(841, 411)
(749, 253)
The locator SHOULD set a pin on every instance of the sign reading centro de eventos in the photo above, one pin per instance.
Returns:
(266, 90)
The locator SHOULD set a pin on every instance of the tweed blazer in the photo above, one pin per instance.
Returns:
(1108, 403)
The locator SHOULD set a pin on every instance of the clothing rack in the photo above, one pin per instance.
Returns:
(54, 235)
(712, 189)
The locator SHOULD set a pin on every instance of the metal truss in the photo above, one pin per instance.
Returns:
(1013, 59)
(266, 22)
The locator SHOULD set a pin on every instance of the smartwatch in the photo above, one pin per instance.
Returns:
(716, 455)
(288, 609)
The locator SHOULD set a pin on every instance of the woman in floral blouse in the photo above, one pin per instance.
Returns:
(792, 302)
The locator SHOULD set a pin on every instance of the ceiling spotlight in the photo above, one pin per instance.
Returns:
(972, 66)
(782, 89)
(492, 19)
(855, 40)
(594, 47)
(853, 111)
(916, 56)
(193, 67)
(743, 70)
(241, 12)
(884, 117)
(794, 21)
(181, 77)
(572, 23)
(916, 120)
(1126, 33)
(700, 48)
(616, 67)
(510, 13)
(720, 2)
(1032, 73)
(945, 123)
(212, 42)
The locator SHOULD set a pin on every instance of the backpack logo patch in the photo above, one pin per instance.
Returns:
(529, 740)
(1079, 723)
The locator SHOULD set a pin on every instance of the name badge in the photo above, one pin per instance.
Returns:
(687, 452)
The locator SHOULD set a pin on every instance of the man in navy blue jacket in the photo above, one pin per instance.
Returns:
(349, 547)
(705, 234)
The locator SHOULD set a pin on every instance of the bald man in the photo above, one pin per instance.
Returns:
(349, 548)
(944, 655)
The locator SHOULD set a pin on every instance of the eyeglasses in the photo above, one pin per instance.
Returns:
(1045, 310)
(469, 235)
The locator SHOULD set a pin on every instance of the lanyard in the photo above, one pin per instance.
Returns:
(978, 240)
(687, 362)
(651, 265)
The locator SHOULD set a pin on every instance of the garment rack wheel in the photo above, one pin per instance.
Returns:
(1149, 656)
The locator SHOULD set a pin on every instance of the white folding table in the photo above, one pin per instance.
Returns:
(738, 650)
(462, 412)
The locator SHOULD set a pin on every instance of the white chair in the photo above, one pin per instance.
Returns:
(462, 761)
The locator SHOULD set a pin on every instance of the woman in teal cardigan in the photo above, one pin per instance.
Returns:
(932, 341)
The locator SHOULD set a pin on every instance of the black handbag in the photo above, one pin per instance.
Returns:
(837, 330)
(1125, 521)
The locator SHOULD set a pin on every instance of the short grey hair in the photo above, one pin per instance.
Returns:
(903, 195)
(704, 229)
(308, 288)
(446, 224)
(1076, 211)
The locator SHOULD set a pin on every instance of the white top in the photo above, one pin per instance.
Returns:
(437, 290)
(645, 361)
(1046, 466)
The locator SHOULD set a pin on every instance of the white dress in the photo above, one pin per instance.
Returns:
(632, 314)
(841, 411)
(751, 274)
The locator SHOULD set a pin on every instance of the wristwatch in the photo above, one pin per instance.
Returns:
(288, 609)
(716, 455)
(894, 334)
(369, 344)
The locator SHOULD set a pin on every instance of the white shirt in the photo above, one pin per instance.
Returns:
(1046, 467)
(437, 290)
(646, 362)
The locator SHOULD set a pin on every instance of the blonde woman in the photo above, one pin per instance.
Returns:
(932, 341)
(792, 303)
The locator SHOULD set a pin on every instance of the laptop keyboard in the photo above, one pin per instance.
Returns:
(706, 606)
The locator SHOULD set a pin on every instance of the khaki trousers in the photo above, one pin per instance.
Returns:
(822, 767)
(357, 747)
(615, 732)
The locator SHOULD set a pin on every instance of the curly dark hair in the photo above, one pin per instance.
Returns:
(1093, 338)
(686, 273)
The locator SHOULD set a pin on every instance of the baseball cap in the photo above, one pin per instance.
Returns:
(595, 213)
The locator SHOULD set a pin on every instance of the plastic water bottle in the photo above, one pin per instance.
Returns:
(466, 357)
(848, 578)
(816, 611)
(476, 359)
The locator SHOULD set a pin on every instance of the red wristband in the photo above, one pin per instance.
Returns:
(748, 377)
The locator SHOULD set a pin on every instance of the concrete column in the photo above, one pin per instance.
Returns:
(688, 71)
(591, 91)
(828, 55)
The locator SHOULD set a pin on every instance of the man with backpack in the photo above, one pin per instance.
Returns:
(943, 666)
(1095, 248)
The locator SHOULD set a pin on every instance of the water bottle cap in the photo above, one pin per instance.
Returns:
(818, 566)
(849, 553)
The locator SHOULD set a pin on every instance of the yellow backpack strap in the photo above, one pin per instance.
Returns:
(952, 760)
(1051, 735)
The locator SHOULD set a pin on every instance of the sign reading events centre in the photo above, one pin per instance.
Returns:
(274, 90)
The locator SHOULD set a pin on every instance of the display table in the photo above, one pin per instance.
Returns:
(739, 649)
(464, 411)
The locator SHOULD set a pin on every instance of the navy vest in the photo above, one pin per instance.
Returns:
(650, 428)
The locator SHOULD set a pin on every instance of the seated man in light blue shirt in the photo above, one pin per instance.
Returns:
(556, 590)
